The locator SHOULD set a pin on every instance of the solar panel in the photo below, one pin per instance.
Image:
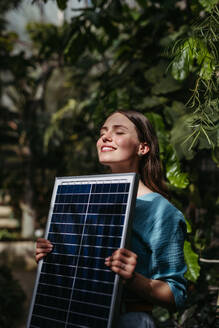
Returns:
(89, 218)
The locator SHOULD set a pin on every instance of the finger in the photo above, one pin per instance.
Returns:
(127, 260)
(121, 272)
(43, 243)
(40, 256)
(107, 262)
(125, 252)
(42, 240)
(43, 250)
(124, 268)
(117, 263)
(120, 257)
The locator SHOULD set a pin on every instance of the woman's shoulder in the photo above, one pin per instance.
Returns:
(156, 214)
(157, 206)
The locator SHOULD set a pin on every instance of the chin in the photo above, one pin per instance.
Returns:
(106, 159)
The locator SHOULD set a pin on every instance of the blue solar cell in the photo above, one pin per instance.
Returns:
(62, 270)
(56, 291)
(45, 322)
(74, 189)
(105, 209)
(95, 286)
(66, 228)
(102, 241)
(71, 198)
(97, 251)
(44, 300)
(63, 238)
(103, 230)
(91, 309)
(60, 259)
(75, 288)
(90, 262)
(55, 280)
(89, 297)
(49, 312)
(102, 219)
(79, 320)
(68, 218)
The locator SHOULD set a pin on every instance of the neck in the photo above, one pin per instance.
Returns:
(142, 189)
(121, 168)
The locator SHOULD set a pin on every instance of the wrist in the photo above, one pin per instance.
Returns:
(130, 280)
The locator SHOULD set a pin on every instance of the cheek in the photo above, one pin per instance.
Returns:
(98, 144)
(98, 148)
(126, 143)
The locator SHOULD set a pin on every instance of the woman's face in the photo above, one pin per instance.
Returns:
(118, 145)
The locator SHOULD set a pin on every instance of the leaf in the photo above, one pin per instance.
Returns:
(166, 85)
(66, 110)
(179, 137)
(191, 258)
(215, 156)
(182, 62)
(62, 4)
(157, 122)
(153, 101)
(191, 53)
(142, 3)
(176, 177)
(173, 113)
(207, 66)
(154, 74)
(189, 227)
(54, 129)
(208, 4)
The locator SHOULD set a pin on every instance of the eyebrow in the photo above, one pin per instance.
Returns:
(116, 126)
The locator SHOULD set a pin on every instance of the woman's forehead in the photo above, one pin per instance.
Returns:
(118, 119)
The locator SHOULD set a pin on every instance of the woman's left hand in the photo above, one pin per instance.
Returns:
(123, 262)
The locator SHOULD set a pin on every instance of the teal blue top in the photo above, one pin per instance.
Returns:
(159, 230)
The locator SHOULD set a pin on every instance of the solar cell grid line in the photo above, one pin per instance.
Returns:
(89, 218)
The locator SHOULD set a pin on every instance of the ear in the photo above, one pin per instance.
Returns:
(143, 149)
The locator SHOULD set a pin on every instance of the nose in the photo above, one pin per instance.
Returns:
(107, 136)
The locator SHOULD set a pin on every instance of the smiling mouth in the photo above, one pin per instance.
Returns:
(106, 148)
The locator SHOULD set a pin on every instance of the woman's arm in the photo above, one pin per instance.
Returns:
(156, 292)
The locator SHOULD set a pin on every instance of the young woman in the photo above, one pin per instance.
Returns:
(153, 270)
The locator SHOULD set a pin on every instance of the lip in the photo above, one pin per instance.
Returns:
(107, 148)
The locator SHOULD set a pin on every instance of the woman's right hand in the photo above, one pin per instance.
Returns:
(43, 247)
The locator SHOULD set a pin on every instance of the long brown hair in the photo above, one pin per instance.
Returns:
(150, 168)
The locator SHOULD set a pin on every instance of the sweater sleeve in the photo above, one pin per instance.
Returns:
(167, 236)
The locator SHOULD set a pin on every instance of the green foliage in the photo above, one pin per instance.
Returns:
(174, 174)
(198, 54)
(8, 235)
(208, 4)
(12, 299)
(62, 4)
(176, 178)
(191, 53)
(193, 268)
(7, 5)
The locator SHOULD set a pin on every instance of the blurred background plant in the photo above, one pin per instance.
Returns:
(73, 66)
